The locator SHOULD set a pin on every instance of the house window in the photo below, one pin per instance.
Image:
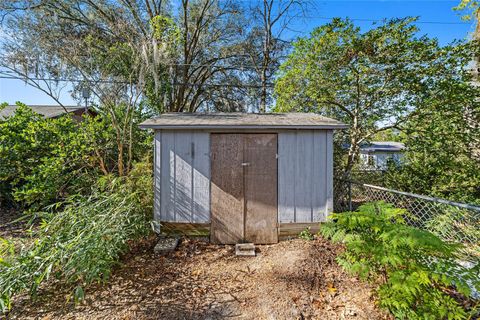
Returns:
(371, 160)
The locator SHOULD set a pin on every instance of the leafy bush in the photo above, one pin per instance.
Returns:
(306, 234)
(46, 160)
(42, 160)
(81, 243)
(453, 222)
(414, 267)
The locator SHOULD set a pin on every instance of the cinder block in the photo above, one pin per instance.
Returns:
(165, 245)
(245, 249)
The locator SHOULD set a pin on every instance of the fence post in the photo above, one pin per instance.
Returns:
(350, 196)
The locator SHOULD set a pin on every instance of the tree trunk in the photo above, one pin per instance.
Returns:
(263, 93)
(352, 155)
(353, 149)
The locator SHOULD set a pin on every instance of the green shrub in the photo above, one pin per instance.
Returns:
(457, 223)
(306, 234)
(46, 160)
(43, 161)
(414, 267)
(81, 243)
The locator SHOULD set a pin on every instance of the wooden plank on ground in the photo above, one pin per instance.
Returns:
(188, 229)
(294, 229)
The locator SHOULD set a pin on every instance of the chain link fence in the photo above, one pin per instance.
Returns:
(452, 221)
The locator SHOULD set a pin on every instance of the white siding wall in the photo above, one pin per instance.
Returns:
(182, 176)
(305, 175)
(379, 160)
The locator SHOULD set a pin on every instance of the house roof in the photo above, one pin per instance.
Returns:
(242, 121)
(48, 111)
(386, 146)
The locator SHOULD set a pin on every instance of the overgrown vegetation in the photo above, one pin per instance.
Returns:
(43, 161)
(442, 139)
(207, 55)
(416, 271)
(374, 80)
(306, 234)
(80, 243)
(87, 191)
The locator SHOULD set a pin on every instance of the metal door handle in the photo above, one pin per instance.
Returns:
(245, 164)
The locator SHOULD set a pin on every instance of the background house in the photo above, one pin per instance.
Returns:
(376, 154)
(49, 111)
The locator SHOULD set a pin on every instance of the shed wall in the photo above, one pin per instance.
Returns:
(182, 176)
(305, 175)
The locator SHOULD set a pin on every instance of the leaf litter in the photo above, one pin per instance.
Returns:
(294, 279)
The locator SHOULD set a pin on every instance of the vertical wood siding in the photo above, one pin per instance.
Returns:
(182, 176)
(156, 179)
(305, 175)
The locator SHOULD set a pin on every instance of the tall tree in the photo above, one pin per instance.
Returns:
(372, 81)
(109, 46)
(265, 46)
(129, 53)
(210, 37)
(442, 137)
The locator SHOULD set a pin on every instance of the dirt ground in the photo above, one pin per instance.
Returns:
(12, 227)
(293, 279)
(9, 226)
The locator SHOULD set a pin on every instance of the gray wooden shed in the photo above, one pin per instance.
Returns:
(242, 177)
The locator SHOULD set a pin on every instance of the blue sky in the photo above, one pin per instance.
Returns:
(450, 27)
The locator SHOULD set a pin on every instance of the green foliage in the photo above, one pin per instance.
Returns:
(81, 243)
(442, 136)
(469, 8)
(95, 211)
(306, 234)
(40, 158)
(46, 160)
(389, 135)
(165, 30)
(443, 142)
(458, 223)
(414, 267)
(373, 80)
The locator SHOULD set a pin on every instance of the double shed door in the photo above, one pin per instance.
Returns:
(244, 188)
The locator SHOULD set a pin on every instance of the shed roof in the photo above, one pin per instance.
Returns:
(48, 111)
(242, 121)
(385, 146)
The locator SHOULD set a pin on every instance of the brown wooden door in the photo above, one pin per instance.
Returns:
(260, 187)
(244, 188)
(227, 199)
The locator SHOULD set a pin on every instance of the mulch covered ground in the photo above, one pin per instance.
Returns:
(293, 279)
(10, 226)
